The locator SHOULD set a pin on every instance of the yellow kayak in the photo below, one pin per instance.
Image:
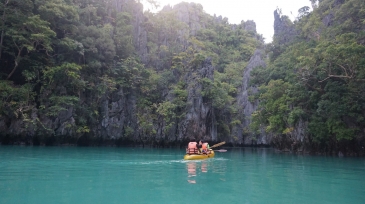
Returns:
(199, 156)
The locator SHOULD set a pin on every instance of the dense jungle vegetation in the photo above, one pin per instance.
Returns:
(91, 71)
(317, 79)
(65, 63)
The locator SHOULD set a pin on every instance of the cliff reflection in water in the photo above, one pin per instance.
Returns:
(192, 166)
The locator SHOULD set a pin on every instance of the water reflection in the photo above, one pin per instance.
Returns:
(192, 167)
(204, 167)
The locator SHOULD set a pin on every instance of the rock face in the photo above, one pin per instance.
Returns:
(328, 20)
(117, 111)
(117, 115)
(284, 30)
(246, 107)
(200, 120)
(284, 33)
(189, 13)
(139, 31)
(250, 26)
(187, 20)
(58, 125)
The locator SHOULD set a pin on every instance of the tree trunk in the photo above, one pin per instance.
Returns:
(12, 72)
(16, 64)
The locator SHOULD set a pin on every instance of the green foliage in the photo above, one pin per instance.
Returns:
(180, 95)
(29, 36)
(128, 131)
(318, 78)
(15, 101)
(83, 129)
(60, 103)
(303, 12)
(123, 37)
(295, 115)
(78, 57)
(275, 99)
(67, 72)
(218, 93)
(60, 14)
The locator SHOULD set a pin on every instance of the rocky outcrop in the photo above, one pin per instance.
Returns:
(139, 31)
(118, 115)
(200, 119)
(328, 20)
(190, 14)
(296, 140)
(220, 19)
(284, 29)
(250, 26)
(172, 36)
(62, 124)
(247, 107)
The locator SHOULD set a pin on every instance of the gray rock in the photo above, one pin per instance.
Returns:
(199, 122)
(3, 124)
(246, 108)
(284, 29)
(250, 26)
(118, 113)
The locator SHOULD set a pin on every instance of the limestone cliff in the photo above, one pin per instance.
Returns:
(247, 107)
(200, 119)
(284, 29)
(114, 115)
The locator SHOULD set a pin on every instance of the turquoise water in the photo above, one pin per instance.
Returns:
(127, 175)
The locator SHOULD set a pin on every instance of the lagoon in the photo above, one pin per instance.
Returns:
(137, 175)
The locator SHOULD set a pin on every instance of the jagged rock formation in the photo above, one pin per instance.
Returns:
(246, 107)
(139, 31)
(250, 26)
(190, 14)
(328, 20)
(117, 113)
(115, 116)
(284, 29)
(200, 120)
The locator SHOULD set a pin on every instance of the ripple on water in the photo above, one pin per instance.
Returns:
(115, 175)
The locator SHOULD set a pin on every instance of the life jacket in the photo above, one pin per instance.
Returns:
(192, 148)
(205, 146)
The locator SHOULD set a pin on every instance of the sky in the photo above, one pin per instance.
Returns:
(261, 11)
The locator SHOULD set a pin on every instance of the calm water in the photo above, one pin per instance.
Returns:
(127, 175)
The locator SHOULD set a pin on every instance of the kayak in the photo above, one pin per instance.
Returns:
(199, 156)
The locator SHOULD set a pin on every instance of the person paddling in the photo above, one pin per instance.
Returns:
(203, 147)
(199, 146)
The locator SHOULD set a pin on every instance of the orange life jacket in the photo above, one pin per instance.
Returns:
(205, 146)
(192, 145)
(192, 148)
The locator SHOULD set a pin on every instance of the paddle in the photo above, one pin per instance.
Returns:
(217, 145)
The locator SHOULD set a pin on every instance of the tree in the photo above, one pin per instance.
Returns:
(303, 12)
(14, 12)
(32, 35)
